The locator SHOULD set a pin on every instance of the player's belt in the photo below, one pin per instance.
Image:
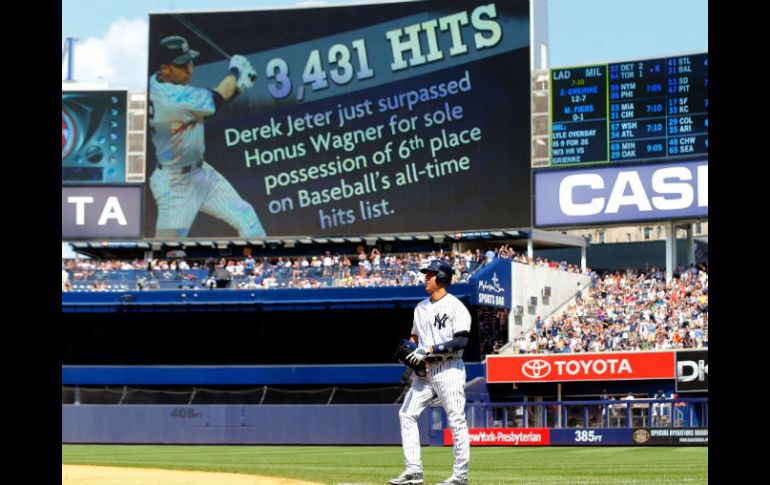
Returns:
(186, 168)
(441, 357)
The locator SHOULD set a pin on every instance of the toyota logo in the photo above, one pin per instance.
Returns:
(536, 369)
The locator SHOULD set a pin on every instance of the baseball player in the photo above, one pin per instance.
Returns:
(183, 183)
(440, 329)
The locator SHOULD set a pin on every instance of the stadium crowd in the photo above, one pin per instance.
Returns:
(628, 310)
(364, 269)
(620, 311)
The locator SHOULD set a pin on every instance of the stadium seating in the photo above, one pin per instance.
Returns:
(630, 310)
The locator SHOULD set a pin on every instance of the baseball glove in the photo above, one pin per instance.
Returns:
(405, 348)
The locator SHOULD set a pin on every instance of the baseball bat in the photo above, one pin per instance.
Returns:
(205, 38)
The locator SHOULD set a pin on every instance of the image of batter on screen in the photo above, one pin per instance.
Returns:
(183, 182)
(441, 329)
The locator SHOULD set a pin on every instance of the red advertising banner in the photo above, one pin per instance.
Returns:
(606, 366)
(504, 436)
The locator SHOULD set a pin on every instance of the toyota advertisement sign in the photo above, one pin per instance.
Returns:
(580, 367)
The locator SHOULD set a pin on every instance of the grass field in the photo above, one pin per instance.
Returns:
(365, 465)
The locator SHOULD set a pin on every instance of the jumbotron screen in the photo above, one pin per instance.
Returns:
(646, 110)
(367, 119)
(93, 137)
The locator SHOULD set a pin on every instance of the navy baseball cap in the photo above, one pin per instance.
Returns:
(442, 269)
(437, 266)
(175, 50)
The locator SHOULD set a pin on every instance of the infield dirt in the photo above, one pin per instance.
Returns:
(109, 475)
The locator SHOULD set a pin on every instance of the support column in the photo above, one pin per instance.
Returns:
(691, 243)
(530, 247)
(670, 250)
(583, 253)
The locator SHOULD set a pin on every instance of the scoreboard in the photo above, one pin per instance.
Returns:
(630, 111)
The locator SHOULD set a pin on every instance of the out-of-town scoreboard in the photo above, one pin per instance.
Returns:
(630, 111)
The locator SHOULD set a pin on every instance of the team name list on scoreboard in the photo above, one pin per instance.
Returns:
(639, 110)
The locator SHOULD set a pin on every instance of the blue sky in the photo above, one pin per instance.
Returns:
(112, 35)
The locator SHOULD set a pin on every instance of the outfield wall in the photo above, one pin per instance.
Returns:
(373, 424)
(369, 424)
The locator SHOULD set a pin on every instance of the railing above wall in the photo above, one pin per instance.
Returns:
(678, 412)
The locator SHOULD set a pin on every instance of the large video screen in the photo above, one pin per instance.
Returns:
(93, 137)
(368, 119)
(645, 110)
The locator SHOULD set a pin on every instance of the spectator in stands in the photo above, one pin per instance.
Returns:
(361, 258)
(605, 396)
(65, 280)
(327, 263)
(374, 259)
(296, 269)
(315, 264)
(210, 282)
(658, 407)
(367, 268)
(249, 264)
(505, 252)
(698, 334)
(345, 264)
(539, 325)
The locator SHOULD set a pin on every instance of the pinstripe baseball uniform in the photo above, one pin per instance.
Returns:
(435, 323)
(183, 183)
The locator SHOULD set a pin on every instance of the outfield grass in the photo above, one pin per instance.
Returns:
(359, 465)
